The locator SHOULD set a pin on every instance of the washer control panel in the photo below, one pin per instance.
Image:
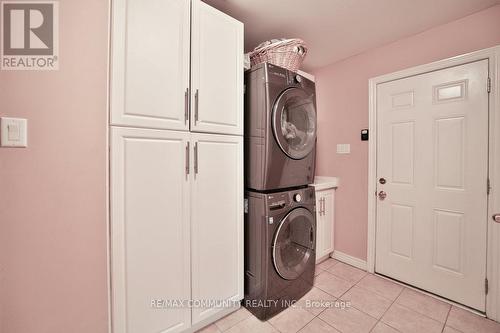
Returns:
(277, 201)
(289, 199)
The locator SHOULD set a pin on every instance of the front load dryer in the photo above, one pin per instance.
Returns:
(280, 128)
(280, 256)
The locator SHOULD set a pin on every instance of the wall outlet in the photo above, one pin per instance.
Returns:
(343, 148)
(13, 132)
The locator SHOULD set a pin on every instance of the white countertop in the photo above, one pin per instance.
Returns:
(324, 182)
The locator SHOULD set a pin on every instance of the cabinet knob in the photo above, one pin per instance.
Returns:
(496, 218)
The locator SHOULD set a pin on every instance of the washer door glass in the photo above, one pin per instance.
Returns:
(293, 244)
(294, 122)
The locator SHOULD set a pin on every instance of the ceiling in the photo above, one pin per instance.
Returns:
(337, 29)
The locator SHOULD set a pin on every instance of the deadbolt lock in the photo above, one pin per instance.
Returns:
(382, 181)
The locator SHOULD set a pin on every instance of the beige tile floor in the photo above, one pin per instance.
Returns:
(377, 305)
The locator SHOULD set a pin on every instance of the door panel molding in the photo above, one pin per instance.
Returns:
(493, 250)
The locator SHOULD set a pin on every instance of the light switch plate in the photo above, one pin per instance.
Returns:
(343, 148)
(13, 132)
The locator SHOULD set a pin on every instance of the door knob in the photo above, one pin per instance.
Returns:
(496, 218)
(382, 195)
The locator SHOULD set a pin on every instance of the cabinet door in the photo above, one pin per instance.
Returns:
(319, 227)
(328, 217)
(150, 250)
(216, 221)
(217, 71)
(150, 63)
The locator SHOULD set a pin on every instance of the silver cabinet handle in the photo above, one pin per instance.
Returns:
(324, 206)
(496, 218)
(187, 159)
(196, 158)
(196, 98)
(186, 106)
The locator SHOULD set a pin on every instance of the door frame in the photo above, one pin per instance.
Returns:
(493, 229)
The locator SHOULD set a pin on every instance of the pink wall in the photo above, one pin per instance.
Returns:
(342, 97)
(53, 276)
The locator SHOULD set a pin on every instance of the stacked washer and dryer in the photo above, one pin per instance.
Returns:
(280, 220)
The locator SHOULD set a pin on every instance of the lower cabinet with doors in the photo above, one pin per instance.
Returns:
(176, 228)
(325, 206)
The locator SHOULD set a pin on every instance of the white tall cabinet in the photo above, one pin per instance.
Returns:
(176, 163)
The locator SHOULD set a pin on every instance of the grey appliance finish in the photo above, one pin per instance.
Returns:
(280, 128)
(280, 249)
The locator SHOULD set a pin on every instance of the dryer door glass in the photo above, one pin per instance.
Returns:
(293, 246)
(294, 122)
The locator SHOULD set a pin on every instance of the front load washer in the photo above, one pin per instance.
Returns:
(280, 128)
(280, 232)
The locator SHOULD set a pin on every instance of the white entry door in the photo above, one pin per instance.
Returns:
(432, 165)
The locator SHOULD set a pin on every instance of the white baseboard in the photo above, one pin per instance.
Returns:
(350, 260)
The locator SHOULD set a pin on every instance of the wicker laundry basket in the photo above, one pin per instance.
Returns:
(287, 53)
